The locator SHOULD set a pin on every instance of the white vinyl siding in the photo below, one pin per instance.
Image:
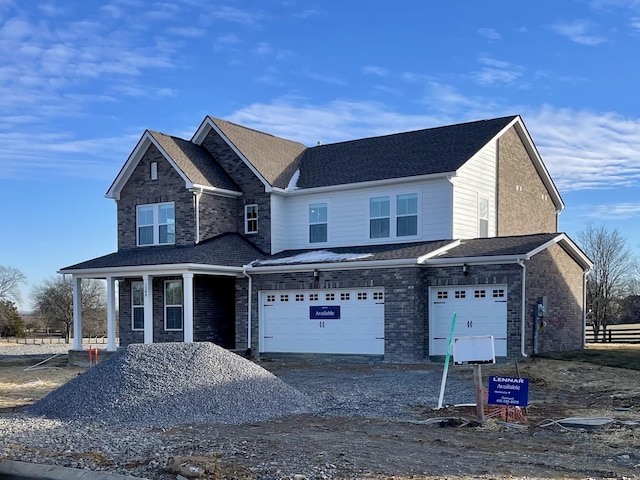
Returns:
(349, 215)
(476, 180)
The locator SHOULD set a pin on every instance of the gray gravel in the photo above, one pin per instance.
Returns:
(166, 384)
(91, 422)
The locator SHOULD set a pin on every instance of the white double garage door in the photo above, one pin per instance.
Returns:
(351, 321)
(339, 321)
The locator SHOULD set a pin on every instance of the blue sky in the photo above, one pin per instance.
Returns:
(81, 81)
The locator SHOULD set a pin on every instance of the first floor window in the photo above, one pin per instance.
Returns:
(156, 224)
(251, 219)
(379, 217)
(173, 305)
(137, 305)
(317, 223)
(407, 215)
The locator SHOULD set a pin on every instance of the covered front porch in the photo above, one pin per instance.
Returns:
(159, 303)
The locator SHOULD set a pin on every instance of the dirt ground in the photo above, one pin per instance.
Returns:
(457, 448)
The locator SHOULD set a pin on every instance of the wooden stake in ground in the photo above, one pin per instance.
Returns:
(477, 377)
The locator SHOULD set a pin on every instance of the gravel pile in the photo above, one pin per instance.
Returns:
(166, 384)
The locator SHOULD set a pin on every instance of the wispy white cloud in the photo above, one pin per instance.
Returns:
(579, 31)
(489, 33)
(324, 77)
(635, 22)
(235, 15)
(189, 32)
(497, 72)
(373, 70)
(620, 211)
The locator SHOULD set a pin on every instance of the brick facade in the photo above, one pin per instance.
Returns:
(141, 190)
(214, 312)
(253, 189)
(524, 204)
(554, 274)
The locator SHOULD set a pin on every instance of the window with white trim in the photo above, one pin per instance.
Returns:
(137, 305)
(156, 224)
(251, 218)
(173, 305)
(483, 217)
(407, 215)
(379, 217)
(318, 223)
(154, 170)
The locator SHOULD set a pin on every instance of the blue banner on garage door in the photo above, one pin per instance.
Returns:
(324, 313)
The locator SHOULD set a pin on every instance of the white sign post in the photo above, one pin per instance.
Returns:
(475, 351)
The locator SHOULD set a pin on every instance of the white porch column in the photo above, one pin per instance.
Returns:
(187, 286)
(111, 314)
(147, 280)
(77, 313)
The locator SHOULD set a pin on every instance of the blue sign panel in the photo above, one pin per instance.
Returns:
(508, 391)
(324, 313)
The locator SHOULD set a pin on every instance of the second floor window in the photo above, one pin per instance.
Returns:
(483, 217)
(137, 305)
(317, 223)
(407, 215)
(251, 219)
(156, 224)
(379, 217)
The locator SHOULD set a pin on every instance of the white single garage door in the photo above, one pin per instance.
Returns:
(480, 310)
(349, 321)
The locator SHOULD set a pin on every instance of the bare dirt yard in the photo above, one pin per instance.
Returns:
(375, 448)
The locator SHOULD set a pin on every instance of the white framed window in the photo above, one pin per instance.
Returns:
(173, 305)
(156, 224)
(137, 305)
(318, 222)
(251, 218)
(483, 217)
(379, 217)
(407, 215)
(154, 170)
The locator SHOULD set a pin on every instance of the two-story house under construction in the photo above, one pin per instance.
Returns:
(365, 247)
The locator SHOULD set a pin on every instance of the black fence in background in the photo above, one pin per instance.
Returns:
(615, 335)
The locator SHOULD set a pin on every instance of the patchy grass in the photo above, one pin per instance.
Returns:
(618, 355)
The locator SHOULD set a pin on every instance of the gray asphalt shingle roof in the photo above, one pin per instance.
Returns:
(421, 152)
(228, 249)
(499, 246)
(275, 158)
(195, 162)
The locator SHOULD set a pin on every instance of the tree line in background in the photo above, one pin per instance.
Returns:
(613, 292)
(53, 306)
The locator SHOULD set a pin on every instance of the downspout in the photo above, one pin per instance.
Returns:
(250, 287)
(523, 322)
(196, 196)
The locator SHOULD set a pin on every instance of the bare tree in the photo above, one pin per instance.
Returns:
(611, 276)
(53, 300)
(10, 280)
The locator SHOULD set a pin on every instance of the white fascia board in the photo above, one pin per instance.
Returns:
(439, 251)
(371, 183)
(496, 260)
(570, 247)
(208, 124)
(153, 270)
(298, 267)
(132, 162)
(216, 191)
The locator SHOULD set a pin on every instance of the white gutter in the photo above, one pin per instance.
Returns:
(137, 270)
(523, 321)
(249, 293)
(349, 265)
(493, 260)
(584, 308)
(368, 184)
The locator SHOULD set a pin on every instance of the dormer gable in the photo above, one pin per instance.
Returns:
(273, 160)
(193, 163)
